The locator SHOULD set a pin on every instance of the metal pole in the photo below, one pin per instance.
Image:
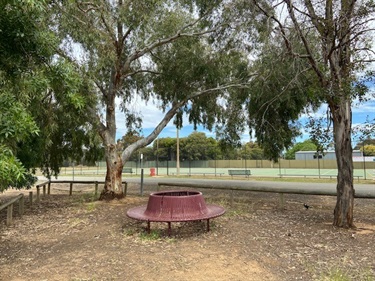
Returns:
(364, 159)
(141, 181)
(178, 154)
(215, 164)
(319, 165)
(141, 174)
(157, 156)
(245, 158)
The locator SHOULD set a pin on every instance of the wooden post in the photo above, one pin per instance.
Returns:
(44, 190)
(71, 189)
(31, 198)
(96, 188)
(21, 205)
(9, 214)
(125, 188)
(49, 188)
(281, 201)
(37, 194)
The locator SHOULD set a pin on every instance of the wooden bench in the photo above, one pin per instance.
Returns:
(315, 176)
(127, 170)
(246, 173)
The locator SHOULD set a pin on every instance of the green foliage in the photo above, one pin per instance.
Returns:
(16, 124)
(190, 66)
(307, 145)
(251, 150)
(12, 172)
(22, 50)
(61, 114)
(368, 150)
(43, 99)
(198, 147)
(23, 44)
(164, 147)
(148, 50)
(279, 95)
(367, 146)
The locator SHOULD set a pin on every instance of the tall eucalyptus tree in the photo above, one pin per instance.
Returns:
(336, 38)
(126, 52)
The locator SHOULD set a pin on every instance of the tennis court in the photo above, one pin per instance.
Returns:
(263, 172)
(255, 172)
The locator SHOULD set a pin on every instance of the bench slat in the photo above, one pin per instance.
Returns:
(127, 170)
(239, 172)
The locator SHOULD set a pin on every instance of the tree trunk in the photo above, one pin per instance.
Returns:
(342, 120)
(113, 180)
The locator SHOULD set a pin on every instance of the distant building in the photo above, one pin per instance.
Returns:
(328, 155)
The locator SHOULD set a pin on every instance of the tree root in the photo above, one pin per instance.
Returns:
(108, 195)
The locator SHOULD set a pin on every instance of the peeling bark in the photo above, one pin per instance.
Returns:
(113, 180)
(343, 213)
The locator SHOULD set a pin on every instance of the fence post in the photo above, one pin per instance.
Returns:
(71, 189)
(44, 190)
(37, 193)
(31, 198)
(9, 214)
(21, 205)
(49, 188)
(96, 188)
(126, 188)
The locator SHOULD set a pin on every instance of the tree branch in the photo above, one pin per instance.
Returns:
(176, 105)
(317, 21)
(280, 25)
(139, 53)
(305, 42)
(140, 71)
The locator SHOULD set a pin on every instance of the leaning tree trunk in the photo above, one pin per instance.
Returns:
(342, 120)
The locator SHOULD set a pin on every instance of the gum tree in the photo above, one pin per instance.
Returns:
(127, 51)
(336, 43)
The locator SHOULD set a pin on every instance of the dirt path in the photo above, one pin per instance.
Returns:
(75, 238)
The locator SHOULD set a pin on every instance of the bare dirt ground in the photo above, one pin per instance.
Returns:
(77, 238)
